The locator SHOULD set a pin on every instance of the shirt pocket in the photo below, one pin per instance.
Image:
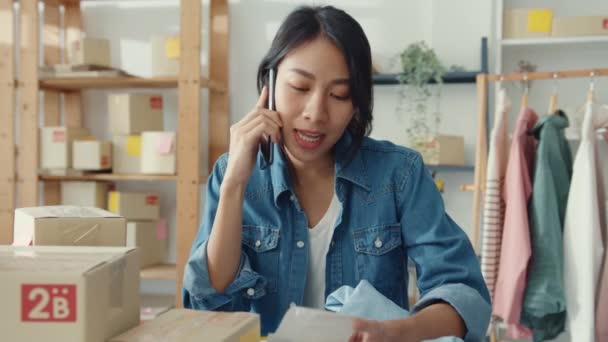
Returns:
(261, 244)
(380, 258)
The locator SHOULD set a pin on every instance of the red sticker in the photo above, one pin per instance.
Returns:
(105, 161)
(156, 102)
(48, 303)
(59, 136)
(111, 186)
(605, 24)
(152, 200)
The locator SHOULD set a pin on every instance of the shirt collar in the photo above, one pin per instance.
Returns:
(349, 168)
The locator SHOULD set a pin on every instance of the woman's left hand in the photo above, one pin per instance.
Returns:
(379, 331)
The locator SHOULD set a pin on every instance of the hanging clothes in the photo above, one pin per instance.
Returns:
(544, 306)
(583, 244)
(515, 249)
(494, 204)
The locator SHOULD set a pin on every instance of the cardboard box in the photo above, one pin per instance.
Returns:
(151, 239)
(92, 155)
(165, 56)
(192, 325)
(134, 206)
(580, 26)
(154, 305)
(85, 194)
(126, 154)
(90, 51)
(56, 146)
(527, 23)
(133, 113)
(66, 225)
(67, 294)
(441, 149)
(158, 153)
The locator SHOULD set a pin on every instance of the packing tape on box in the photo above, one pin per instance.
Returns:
(81, 235)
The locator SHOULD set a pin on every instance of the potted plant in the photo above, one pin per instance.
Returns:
(419, 67)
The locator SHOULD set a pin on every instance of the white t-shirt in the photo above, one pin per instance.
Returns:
(319, 239)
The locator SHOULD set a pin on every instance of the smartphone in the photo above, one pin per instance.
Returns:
(266, 146)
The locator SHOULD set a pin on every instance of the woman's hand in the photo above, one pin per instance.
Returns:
(382, 331)
(245, 137)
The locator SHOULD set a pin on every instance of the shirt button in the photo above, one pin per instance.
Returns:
(258, 243)
(250, 292)
(378, 243)
(292, 198)
(300, 244)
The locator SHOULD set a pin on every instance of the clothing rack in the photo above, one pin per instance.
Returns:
(478, 187)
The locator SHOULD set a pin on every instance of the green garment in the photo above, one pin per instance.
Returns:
(544, 306)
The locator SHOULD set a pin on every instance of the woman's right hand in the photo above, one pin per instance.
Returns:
(245, 137)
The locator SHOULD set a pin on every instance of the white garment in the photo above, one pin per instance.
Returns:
(583, 244)
(319, 240)
(494, 204)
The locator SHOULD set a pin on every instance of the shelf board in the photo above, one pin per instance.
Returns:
(71, 84)
(160, 271)
(450, 167)
(112, 177)
(107, 176)
(450, 78)
(554, 40)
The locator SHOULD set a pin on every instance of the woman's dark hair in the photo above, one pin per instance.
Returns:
(307, 23)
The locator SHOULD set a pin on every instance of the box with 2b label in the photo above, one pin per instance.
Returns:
(67, 294)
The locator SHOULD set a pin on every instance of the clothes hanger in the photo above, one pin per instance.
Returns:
(524, 98)
(553, 98)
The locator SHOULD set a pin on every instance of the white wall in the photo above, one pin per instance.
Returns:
(452, 28)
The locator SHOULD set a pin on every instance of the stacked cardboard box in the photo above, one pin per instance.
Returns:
(140, 145)
(145, 229)
(191, 325)
(68, 294)
(68, 226)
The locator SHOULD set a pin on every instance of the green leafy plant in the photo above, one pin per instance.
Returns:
(419, 66)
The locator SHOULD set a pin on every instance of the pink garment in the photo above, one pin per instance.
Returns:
(516, 246)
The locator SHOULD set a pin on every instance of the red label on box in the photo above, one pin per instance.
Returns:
(156, 102)
(48, 303)
(59, 136)
(152, 200)
(105, 161)
(605, 23)
(111, 186)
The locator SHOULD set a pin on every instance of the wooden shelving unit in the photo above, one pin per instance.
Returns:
(189, 82)
(75, 84)
(555, 41)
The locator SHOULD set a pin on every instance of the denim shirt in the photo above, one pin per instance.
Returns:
(391, 211)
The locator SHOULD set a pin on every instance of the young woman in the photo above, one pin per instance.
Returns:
(335, 207)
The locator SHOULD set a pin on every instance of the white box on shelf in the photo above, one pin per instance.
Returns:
(158, 153)
(86, 194)
(151, 239)
(51, 293)
(56, 146)
(133, 113)
(67, 225)
(134, 205)
(165, 56)
(126, 154)
(90, 51)
(92, 155)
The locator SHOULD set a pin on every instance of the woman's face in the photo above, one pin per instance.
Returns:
(312, 97)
